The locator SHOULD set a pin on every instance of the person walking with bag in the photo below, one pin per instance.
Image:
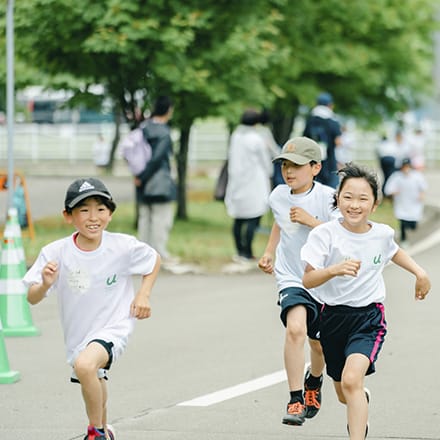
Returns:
(155, 188)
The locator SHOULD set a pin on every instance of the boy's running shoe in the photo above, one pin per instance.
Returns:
(295, 415)
(111, 432)
(94, 434)
(368, 396)
(312, 396)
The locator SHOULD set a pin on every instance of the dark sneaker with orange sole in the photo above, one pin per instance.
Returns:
(295, 415)
(312, 396)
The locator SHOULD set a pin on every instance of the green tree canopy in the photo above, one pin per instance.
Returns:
(218, 57)
(207, 55)
(375, 57)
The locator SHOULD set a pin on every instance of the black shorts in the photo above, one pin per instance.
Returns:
(346, 330)
(102, 371)
(295, 296)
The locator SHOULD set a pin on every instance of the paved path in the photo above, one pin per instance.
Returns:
(212, 332)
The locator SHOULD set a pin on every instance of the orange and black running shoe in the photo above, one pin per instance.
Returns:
(296, 414)
(312, 396)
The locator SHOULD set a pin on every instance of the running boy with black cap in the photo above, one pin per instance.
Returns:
(298, 206)
(91, 271)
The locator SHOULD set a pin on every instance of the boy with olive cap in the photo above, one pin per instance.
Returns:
(91, 271)
(298, 206)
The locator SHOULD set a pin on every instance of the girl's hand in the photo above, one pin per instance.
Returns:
(346, 267)
(423, 285)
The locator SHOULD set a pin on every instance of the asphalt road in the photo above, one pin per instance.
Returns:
(212, 332)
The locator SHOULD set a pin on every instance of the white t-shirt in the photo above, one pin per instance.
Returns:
(330, 243)
(407, 189)
(95, 289)
(318, 202)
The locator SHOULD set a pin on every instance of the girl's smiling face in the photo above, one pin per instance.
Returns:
(356, 202)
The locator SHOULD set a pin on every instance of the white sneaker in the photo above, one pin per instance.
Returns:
(111, 433)
(243, 260)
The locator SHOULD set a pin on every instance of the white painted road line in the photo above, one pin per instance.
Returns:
(425, 243)
(237, 390)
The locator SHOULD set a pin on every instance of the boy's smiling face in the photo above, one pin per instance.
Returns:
(299, 177)
(90, 217)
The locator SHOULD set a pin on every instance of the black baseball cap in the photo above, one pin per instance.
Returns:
(405, 161)
(82, 188)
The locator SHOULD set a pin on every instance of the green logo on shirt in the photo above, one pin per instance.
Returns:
(111, 280)
(377, 259)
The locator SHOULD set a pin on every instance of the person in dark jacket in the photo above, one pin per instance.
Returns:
(322, 127)
(155, 188)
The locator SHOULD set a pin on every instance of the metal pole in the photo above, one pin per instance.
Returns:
(10, 97)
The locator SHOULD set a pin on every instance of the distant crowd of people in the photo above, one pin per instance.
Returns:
(402, 161)
(393, 150)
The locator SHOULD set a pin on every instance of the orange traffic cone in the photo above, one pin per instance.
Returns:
(6, 375)
(15, 312)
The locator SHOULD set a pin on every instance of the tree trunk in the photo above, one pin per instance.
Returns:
(282, 127)
(182, 159)
(283, 118)
(115, 141)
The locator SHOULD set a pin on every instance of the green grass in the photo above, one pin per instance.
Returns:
(205, 238)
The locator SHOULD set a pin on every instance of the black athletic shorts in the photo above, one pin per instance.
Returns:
(295, 296)
(108, 347)
(346, 330)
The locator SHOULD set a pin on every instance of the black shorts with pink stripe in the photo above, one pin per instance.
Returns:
(347, 330)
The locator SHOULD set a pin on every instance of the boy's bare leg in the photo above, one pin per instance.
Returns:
(87, 364)
(294, 358)
(104, 404)
(317, 361)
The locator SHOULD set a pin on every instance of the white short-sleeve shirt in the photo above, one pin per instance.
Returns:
(330, 243)
(95, 288)
(318, 202)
